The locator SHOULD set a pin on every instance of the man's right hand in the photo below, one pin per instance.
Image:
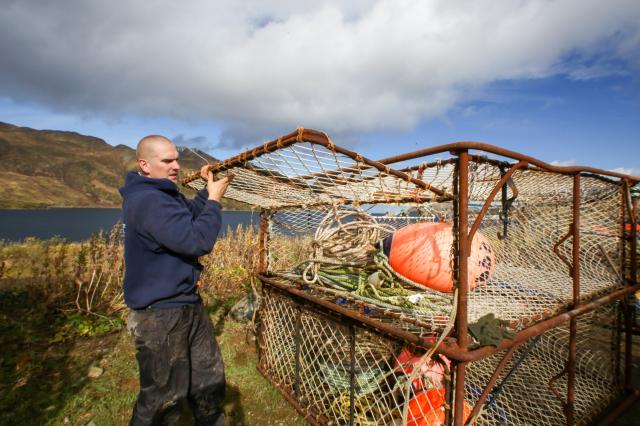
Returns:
(216, 189)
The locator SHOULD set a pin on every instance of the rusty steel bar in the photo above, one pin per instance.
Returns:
(573, 330)
(615, 348)
(634, 240)
(633, 271)
(480, 146)
(472, 157)
(240, 159)
(297, 348)
(318, 138)
(492, 381)
(623, 272)
(462, 282)
(544, 314)
(504, 207)
(314, 136)
(555, 391)
(308, 413)
(342, 201)
(326, 142)
(489, 200)
(449, 347)
(628, 342)
(385, 328)
(347, 296)
(560, 255)
(448, 394)
(262, 243)
(352, 373)
(620, 408)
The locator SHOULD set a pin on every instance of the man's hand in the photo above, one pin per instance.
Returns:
(204, 172)
(216, 189)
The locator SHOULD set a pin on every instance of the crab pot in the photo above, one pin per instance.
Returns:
(514, 280)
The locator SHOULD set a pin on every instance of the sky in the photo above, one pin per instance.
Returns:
(557, 80)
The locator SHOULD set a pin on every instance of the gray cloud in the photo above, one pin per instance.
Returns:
(345, 67)
(199, 142)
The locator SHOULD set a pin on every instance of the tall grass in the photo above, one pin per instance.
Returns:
(87, 276)
(79, 276)
(229, 269)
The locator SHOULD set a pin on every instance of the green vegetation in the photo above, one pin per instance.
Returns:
(61, 314)
(45, 168)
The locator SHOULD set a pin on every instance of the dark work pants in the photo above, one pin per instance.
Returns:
(180, 366)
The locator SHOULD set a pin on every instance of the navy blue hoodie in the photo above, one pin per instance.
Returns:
(164, 235)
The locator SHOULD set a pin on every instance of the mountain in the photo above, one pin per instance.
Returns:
(48, 168)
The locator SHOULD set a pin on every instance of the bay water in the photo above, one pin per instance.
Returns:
(78, 224)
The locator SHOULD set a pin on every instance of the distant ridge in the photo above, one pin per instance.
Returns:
(50, 168)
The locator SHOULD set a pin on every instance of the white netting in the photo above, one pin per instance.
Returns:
(306, 174)
(330, 217)
(323, 381)
(530, 281)
(381, 366)
(523, 393)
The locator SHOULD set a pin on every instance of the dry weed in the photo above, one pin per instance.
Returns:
(87, 277)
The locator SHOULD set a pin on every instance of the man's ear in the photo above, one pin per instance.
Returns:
(143, 165)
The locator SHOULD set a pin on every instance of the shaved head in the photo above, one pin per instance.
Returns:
(149, 144)
(157, 158)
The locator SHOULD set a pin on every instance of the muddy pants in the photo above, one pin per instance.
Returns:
(180, 366)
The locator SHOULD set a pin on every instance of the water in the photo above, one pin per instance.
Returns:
(79, 224)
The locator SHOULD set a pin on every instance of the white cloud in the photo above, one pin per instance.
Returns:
(563, 163)
(633, 171)
(335, 65)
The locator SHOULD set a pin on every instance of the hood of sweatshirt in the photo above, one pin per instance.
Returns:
(135, 182)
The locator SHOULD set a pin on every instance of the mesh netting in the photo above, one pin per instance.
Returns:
(307, 174)
(326, 364)
(335, 221)
(309, 354)
(524, 392)
(530, 280)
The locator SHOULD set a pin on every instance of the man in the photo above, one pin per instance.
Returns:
(178, 357)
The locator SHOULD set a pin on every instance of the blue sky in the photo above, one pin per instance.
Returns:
(558, 80)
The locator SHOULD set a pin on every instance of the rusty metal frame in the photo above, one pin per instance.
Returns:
(491, 384)
(449, 346)
(625, 404)
(462, 242)
(313, 137)
(456, 347)
(501, 184)
(309, 414)
(480, 146)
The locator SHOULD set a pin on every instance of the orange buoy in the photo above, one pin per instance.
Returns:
(431, 372)
(421, 252)
(427, 409)
(627, 227)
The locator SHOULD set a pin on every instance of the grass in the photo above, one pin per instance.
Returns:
(46, 383)
(38, 376)
(61, 313)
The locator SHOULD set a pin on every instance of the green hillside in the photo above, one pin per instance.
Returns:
(47, 168)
